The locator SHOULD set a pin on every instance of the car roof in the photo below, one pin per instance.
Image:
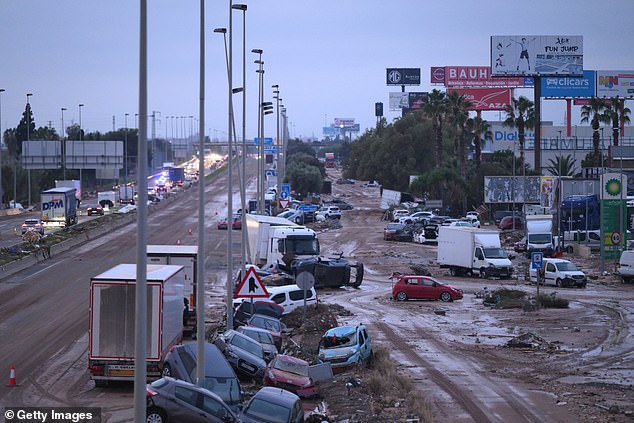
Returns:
(277, 396)
(242, 335)
(215, 363)
(264, 316)
(342, 330)
(252, 329)
(291, 359)
(556, 260)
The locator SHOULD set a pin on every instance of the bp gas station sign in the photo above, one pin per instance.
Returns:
(613, 215)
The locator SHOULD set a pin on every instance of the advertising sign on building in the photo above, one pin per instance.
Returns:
(403, 76)
(613, 83)
(417, 100)
(344, 123)
(480, 76)
(486, 98)
(398, 101)
(569, 87)
(544, 55)
(438, 75)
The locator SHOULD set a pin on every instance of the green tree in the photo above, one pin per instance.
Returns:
(520, 115)
(594, 113)
(617, 113)
(561, 166)
(446, 184)
(304, 174)
(458, 111)
(478, 129)
(436, 109)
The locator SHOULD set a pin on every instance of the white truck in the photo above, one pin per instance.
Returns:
(472, 251)
(70, 183)
(126, 194)
(539, 234)
(186, 256)
(277, 243)
(59, 207)
(112, 320)
(108, 199)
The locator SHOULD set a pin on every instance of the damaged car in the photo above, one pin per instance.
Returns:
(345, 347)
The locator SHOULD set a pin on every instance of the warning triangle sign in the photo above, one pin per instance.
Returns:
(251, 286)
(284, 203)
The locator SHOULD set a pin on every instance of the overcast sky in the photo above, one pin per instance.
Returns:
(329, 57)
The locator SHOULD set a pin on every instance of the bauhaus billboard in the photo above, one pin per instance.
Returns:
(544, 55)
(486, 98)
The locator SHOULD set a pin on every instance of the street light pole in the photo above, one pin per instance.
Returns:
(125, 154)
(260, 143)
(230, 184)
(83, 150)
(277, 98)
(28, 127)
(63, 144)
(1, 142)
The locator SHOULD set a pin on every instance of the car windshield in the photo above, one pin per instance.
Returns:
(495, 253)
(291, 367)
(226, 388)
(272, 325)
(566, 266)
(248, 345)
(265, 411)
(300, 246)
(261, 337)
(337, 341)
(286, 214)
(539, 238)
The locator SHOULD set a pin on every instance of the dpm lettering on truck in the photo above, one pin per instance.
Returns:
(56, 203)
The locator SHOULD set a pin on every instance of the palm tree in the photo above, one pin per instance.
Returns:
(521, 115)
(594, 113)
(562, 166)
(479, 129)
(617, 113)
(436, 109)
(458, 110)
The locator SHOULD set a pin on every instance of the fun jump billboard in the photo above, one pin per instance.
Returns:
(537, 55)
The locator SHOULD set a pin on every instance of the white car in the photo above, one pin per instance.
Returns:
(626, 266)
(417, 217)
(328, 212)
(398, 213)
(559, 272)
(419, 237)
(471, 220)
(474, 214)
(461, 223)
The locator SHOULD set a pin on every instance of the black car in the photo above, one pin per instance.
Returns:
(246, 309)
(245, 355)
(220, 378)
(173, 400)
(264, 337)
(271, 404)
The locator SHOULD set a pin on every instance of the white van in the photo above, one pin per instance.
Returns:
(290, 297)
(626, 266)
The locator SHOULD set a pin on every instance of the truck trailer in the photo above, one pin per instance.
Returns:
(59, 207)
(112, 320)
(539, 234)
(472, 251)
(186, 256)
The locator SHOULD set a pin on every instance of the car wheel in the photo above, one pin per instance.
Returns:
(445, 297)
(401, 296)
(154, 415)
(167, 371)
(298, 220)
(569, 249)
(558, 282)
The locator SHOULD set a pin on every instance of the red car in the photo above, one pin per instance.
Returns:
(423, 288)
(507, 223)
(236, 224)
(290, 373)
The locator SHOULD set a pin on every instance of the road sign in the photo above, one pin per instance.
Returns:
(270, 172)
(286, 191)
(537, 260)
(270, 150)
(267, 141)
(284, 203)
(305, 280)
(251, 286)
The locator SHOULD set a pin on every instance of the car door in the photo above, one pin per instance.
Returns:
(478, 259)
(187, 407)
(426, 289)
(366, 348)
(281, 300)
(412, 288)
(551, 274)
(217, 409)
(188, 372)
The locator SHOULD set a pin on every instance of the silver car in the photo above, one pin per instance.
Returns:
(175, 400)
(245, 355)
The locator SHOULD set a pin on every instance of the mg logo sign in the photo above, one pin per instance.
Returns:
(394, 76)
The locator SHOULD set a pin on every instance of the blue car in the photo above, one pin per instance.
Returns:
(346, 346)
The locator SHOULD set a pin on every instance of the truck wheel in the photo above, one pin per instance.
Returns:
(445, 297)
(558, 282)
(401, 296)
(569, 249)
(167, 371)
(453, 271)
(483, 273)
(154, 415)
(100, 383)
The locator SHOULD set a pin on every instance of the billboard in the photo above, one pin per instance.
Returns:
(509, 189)
(417, 100)
(398, 101)
(486, 98)
(528, 55)
(569, 87)
(613, 83)
(437, 75)
(344, 123)
(403, 76)
(480, 76)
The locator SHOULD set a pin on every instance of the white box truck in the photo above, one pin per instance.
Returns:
(112, 320)
(472, 251)
(186, 256)
(108, 199)
(539, 234)
(59, 207)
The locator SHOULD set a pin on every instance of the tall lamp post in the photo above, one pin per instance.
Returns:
(260, 143)
(243, 173)
(267, 109)
(63, 144)
(1, 142)
(277, 98)
(125, 153)
(83, 156)
(230, 183)
(28, 137)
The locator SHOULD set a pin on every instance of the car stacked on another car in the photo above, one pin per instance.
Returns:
(245, 355)
(274, 326)
(264, 337)
(290, 373)
(345, 346)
